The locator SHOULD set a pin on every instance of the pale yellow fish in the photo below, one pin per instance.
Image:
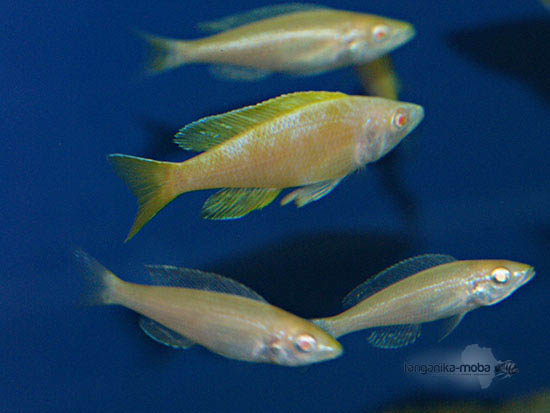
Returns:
(290, 38)
(307, 139)
(423, 289)
(218, 313)
(379, 78)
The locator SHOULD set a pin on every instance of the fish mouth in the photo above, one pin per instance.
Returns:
(404, 34)
(331, 351)
(527, 275)
(417, 114)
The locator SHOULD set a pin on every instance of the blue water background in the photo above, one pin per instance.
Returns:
(472, 181)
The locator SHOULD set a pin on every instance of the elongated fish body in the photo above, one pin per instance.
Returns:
(302, 40)
(307, 139)
(242, 327)
(445, 291)
(321, 142)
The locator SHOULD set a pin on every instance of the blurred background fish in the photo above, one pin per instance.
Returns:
(299, 39)
(191, 306)
(421, 289)
(307, 139)
(538, 402)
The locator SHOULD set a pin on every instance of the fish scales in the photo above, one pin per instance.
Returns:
(313, 145)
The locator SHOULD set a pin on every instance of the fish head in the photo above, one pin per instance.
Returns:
(387, 122)
(302, 345)
(494, 280)
(368, 37)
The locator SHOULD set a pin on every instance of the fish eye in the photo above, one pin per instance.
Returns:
(305, 343)
(500, 275)
(380, 32)
(400, 119)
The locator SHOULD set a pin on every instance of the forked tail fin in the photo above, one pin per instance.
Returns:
(166, 54)
(151, 182)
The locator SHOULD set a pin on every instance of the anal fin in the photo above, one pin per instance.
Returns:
(164, 335)
(246, 74)
(232, 203)
(394, 336)
(309, 193)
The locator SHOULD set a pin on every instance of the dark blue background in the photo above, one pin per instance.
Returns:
(471, 181)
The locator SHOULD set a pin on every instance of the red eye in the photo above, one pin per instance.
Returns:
(379, 33)
(305, 343)
(400, 120)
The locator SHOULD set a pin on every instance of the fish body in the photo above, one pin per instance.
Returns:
(445, 291)
(306, 139)
(233, 326)
(301, 41)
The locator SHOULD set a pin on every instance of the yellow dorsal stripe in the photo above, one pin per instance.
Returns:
(213, 130)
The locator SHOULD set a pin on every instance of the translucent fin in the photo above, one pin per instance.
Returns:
(164, 335)
(213, 130)
(246, 74)
(149, 181)
(309, 193)
(450, 324)
(168, 275)
(166, 54)
(232, 203)
(379, 78)
(101, 281)
(394, 274)
(394, 336)
(240, 19)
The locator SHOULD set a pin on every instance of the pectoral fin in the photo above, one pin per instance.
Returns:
(231, 203)
(379, 78)
(309, 193)
(163, 334)
(450, 324)
(394, 336)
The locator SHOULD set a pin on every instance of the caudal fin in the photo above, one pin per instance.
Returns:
(102, 283)
(166, 54)
(150, 181)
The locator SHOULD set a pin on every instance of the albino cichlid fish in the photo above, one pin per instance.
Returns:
(299, 39)
(426, 288)
(307, 139)
(194, 307)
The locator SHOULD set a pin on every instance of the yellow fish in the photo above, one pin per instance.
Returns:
(298, 39)
(379, 78)
(307, 139)
(193, 307)
(430, 287)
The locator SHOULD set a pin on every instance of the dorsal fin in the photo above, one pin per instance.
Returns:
(168, 275)
(213, 130)
(240, 19)
(395, 336)
(394, 274)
